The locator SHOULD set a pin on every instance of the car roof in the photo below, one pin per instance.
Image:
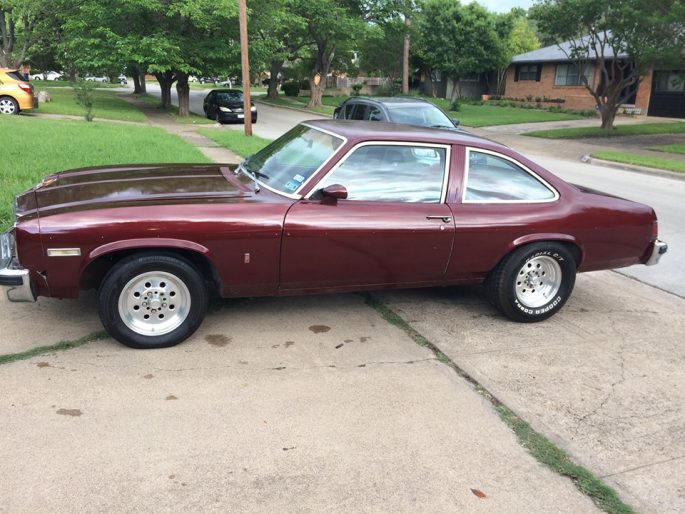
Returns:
(226, 90)
(392, 101)
(361, 130)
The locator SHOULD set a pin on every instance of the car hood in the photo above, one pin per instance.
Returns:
(124, 186)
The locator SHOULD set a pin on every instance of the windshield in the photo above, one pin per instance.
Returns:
(289, 161)
(229, 97)
(424, 115)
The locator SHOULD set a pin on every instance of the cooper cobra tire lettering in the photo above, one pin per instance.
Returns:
(533, 282)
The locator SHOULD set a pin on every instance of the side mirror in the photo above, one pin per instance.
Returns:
(335, 191)
(455, 121)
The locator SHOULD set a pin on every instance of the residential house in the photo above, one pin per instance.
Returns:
(548, 72)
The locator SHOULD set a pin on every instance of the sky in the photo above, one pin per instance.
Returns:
(504, 5)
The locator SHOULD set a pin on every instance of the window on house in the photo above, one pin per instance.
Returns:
(568, 75)
(528, 72)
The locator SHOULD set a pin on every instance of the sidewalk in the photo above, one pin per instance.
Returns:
(186, 132)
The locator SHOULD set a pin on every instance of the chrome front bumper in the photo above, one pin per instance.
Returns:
(14, 280)
(658, 250)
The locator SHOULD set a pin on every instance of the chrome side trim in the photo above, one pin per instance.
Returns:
(660, 248)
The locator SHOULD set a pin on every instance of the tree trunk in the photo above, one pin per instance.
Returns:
(183, 90)
(166, 80)
(316, 92)
(274, 70)
(141, 72)
(608, 113)
(405, 56)
(137, 89)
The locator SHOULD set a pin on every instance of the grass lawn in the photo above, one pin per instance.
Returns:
(193, 119)
(676, 148)
(468, 115)
(488, 115)
(32, 148)
(621, 130)
(236, 140)
(329, 103)
(641, 160)
(107, 104)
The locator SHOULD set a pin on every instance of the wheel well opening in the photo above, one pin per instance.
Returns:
(95, 272)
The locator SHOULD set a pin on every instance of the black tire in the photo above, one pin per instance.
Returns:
(8, 105)
(254, 120)
(161, 278)
(217, 117)
(533, 282)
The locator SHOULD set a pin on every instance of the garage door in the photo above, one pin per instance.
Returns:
(668, 94)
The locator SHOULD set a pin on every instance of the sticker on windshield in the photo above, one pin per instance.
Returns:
(298, 178)
(292, 186)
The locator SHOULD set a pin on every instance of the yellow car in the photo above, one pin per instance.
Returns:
(16, 94)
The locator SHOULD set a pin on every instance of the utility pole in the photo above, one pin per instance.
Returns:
(245, 62)
(405, 55)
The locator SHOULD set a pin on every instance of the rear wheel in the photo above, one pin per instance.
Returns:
(533, 282)
(152, 301)
(8, 105)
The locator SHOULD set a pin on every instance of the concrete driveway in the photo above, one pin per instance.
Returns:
(282, 405)
(318, 404)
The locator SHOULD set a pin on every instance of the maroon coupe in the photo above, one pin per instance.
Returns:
(330, 206)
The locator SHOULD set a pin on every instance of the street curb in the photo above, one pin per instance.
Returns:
(637, 169)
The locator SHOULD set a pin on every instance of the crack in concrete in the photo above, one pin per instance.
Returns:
(665, 461)
(612, 389)
(275, 368)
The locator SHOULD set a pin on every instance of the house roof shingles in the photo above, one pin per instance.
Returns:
(557, 53)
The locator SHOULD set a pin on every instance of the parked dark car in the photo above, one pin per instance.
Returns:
(395, 109)
(225, 105)
(330, 206)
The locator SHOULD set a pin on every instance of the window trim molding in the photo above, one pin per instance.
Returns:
(526, 169)
(446, 172)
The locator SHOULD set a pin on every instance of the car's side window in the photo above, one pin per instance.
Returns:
(347, 113)
(374, 114)
(358, 112)
(492, 178)
(392, 173)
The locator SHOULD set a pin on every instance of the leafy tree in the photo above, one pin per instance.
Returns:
(516, 36)
(18, 19)
(458, 39)
(277, 34)
(640, 33)
(332, 27)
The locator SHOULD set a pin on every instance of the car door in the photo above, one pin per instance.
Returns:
(393, 228)
(207, 103)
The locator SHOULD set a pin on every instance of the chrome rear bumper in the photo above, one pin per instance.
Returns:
(14, 280)
(658, 250)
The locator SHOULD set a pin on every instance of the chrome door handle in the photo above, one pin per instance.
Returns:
(445, 219)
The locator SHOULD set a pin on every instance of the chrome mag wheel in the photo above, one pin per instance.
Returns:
(154, 303)
(538, 281)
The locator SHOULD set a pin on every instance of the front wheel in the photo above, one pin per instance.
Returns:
(152, 301)
(533, 282)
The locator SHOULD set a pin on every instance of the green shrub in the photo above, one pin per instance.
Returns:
(305, 85)
(291, 88)
(455, 105)
(84, 93)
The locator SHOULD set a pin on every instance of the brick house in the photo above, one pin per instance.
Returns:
(548, 72)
